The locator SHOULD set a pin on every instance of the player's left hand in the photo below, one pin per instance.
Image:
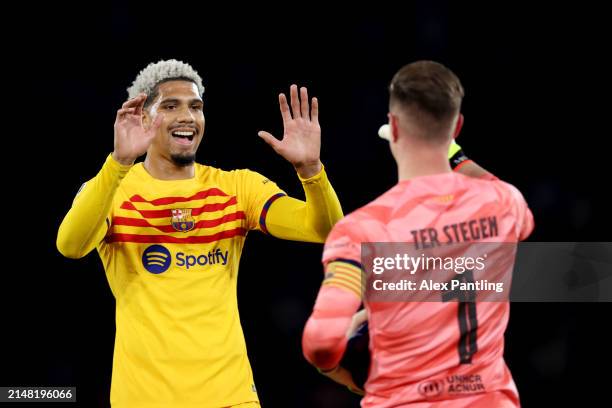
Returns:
(301, 142)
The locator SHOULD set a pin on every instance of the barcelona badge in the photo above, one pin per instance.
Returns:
(182, 219)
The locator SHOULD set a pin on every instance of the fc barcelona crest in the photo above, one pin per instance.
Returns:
(182, 219)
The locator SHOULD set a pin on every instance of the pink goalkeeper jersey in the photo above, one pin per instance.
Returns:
(415, 346)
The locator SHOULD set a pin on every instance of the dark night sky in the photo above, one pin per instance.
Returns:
(535, 83)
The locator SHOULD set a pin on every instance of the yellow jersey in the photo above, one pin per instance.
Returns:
(171, 257)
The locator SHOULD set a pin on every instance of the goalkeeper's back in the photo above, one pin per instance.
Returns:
(435, 351)
(429, 354)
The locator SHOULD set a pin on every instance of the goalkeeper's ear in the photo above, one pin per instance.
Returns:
(455, 154)
(458, 126)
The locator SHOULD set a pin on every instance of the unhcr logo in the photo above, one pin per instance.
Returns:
(431, 389)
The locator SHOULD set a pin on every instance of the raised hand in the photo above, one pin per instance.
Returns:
(131, 139)
(301, 142)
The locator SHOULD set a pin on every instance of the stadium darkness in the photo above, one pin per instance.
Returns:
(532, 78)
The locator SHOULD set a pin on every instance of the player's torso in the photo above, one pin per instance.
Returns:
(171, 258)
(175, 236)
(441, 348)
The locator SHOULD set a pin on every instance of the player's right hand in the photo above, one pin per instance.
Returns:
(131, 138)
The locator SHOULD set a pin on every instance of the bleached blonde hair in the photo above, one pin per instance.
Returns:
(161, 71)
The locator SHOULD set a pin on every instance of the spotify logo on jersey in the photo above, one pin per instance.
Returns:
(156, 259)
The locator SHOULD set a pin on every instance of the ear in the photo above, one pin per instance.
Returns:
(394, 125)
(458, 126)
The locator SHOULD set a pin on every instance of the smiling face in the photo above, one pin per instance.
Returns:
(181, 131)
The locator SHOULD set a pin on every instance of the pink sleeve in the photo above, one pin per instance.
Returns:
(527, 223)
(522, 213)
(342, 244)
(489, 176)
(324, 339)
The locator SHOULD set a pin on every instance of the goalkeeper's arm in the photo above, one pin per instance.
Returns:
(327, 330)
(462, 164)
(459, 162)
(325, 335)
(342, 376)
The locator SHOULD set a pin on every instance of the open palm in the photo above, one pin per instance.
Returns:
(301, 142)
(131, 139)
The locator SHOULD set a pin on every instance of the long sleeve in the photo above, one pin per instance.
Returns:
(309, 221)
(86, 223)
(325, 334)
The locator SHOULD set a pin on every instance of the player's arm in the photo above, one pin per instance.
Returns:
(343, 376)
(310, 220)
(326, 334)
(459, 162)
(462, 164)
(289, 218)
(354, 358)
(86, 223)
(524, 217)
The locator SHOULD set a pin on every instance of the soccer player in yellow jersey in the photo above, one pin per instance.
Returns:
(170, 233)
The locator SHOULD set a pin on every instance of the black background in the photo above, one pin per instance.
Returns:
(536, 109)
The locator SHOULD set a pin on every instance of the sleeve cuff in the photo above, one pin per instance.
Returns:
(453, 149)
(117, 167)
(314, 179)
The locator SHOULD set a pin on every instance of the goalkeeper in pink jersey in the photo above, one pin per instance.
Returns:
(422, 354)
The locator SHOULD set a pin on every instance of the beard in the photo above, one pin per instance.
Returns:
(183, 159)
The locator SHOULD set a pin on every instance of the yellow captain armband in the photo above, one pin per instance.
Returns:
(344, 275)
(456, 156)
